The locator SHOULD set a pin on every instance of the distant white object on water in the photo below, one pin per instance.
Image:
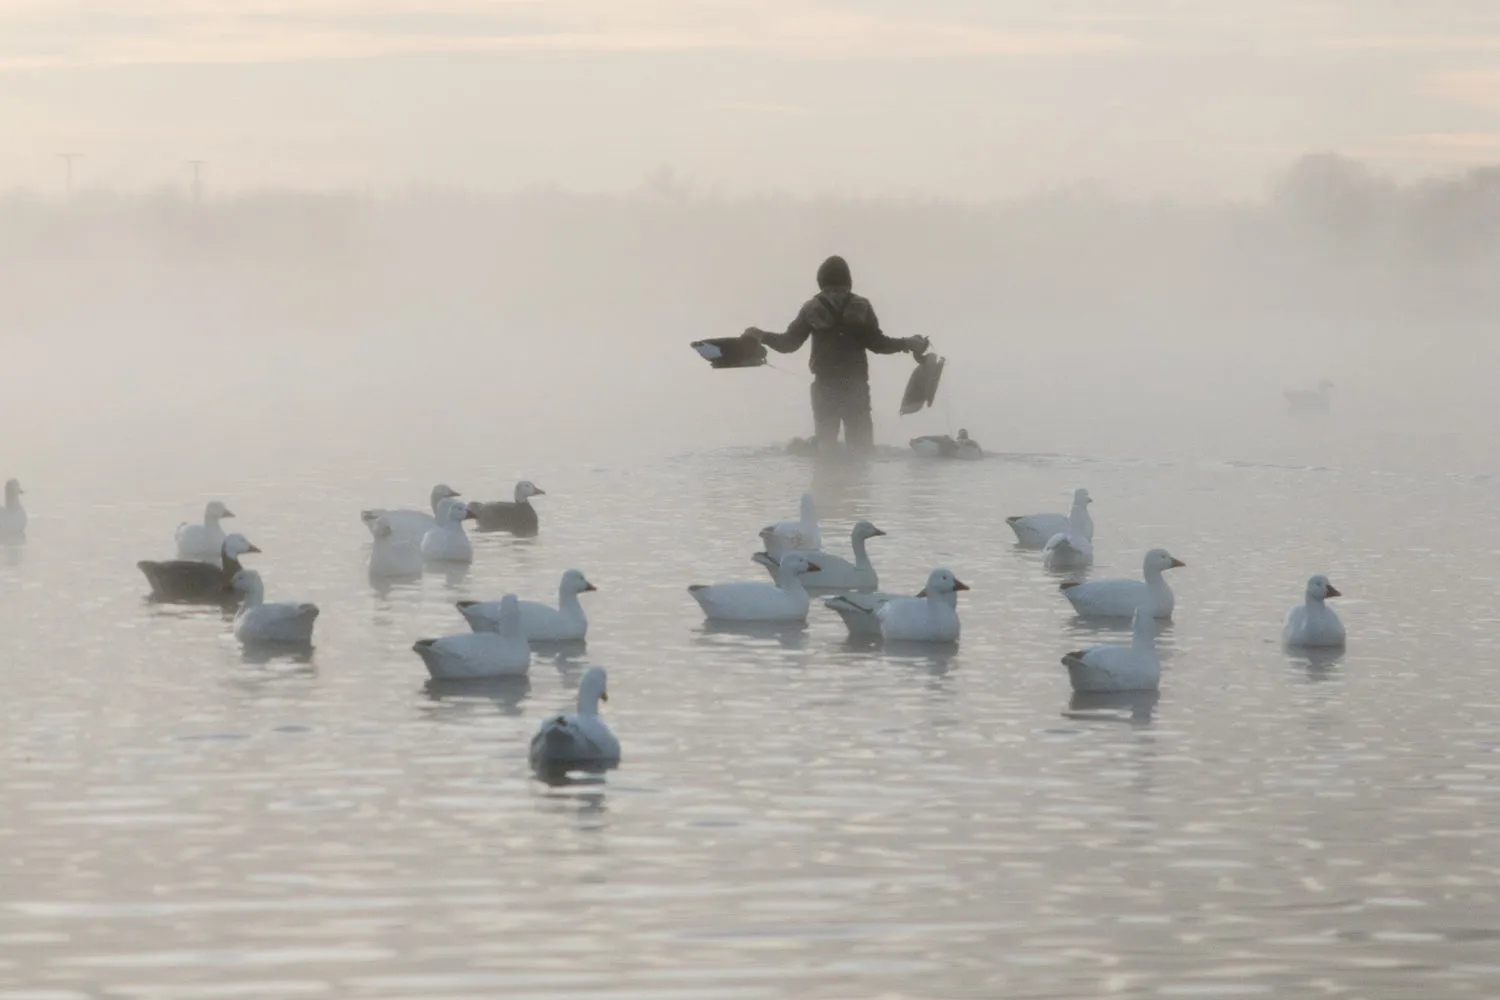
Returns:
(204, 542)
(447, 541)
(13, 515)
(540, 622)
(1120, 598)
(499, 652)
(258, 621)
(1313, 623)
(1034, 531)
(411, 525)
(801, 535)
(836, 572)
(578, 739)
(931, 616)
(1109, 669)
(786, 600)
(1311, 400)
(943, 446)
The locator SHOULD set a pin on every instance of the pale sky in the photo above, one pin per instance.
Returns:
(969, 98)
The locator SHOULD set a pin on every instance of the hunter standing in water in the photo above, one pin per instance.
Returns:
(843, 327)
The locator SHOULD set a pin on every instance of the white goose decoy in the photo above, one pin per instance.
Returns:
(1034, 530)
(393, 556)
(753, 601)
(1311, 400)
(13, 515)
(837, 573)
(540, 622)
(1111, 669)
(931, 616)
(411, 524)
(204, 542)
(581, 739)
(258, 621)
(448, 542)
(1313, 623)
(1068, 550)
(503, 652)
(1120, 598)
(794, 536)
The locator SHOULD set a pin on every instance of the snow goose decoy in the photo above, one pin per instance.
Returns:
(411, 525)
(204, 542)
(13, 515)
(943, 446)
(258, 621)
(447, 541)
(541, 622)
(581, 739)
(1313, 624)
(837, 573)
(1120, 598)
(1311, 400)
(393, 556)
(1113, 669)
(801, 535)
(501, 652)
(1034, 531)
(786, 600)
(931, 616)
(191, 580)
(517, 517)
(1073, 547)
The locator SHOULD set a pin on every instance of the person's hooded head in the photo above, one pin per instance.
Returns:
(834, 274)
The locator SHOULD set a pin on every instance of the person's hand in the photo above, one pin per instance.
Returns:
(755, 333)
(918, 345)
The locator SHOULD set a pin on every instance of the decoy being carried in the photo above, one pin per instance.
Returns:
(517, 517)
(188, 580)
(943, 446)
(1313, 624)
(13, 515)
(411, 525)
(447, 541)
(744, 351)
(581, 739)
(498, 652)
(393, 557)
(786, 600)
(540, 622)
(258, 621)
(1111, 669)
(204, 542)
(1311, 400)
(922, 384)
(931, 616)
(1033, 531)
(836, 572)
(1120, 598)
(801, 535)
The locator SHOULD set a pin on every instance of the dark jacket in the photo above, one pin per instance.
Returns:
(843, 327)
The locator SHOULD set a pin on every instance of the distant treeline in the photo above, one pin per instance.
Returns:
(1331, 240)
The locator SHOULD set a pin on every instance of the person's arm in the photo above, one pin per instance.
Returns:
(796, 335)
(875, 340)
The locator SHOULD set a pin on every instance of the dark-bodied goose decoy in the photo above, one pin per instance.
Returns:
(517, 517)
(744, 351)
(190, 581)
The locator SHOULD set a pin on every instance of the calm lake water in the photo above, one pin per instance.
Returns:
(795, 817)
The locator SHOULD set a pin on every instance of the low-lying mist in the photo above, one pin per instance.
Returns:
(546, 325)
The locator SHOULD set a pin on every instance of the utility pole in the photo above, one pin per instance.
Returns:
(197, 166)
(68, 158)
